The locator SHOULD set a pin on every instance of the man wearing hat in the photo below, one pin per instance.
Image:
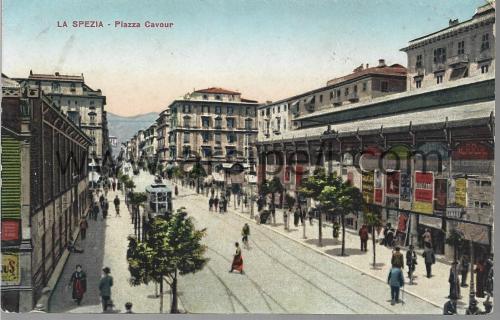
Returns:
(128, 307)
(450, 307)
(105, 288)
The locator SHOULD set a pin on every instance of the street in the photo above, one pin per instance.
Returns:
(281, 276)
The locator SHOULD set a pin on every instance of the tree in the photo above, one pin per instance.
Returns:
(196, 173)
(341, 198)
(275, 186)
(373, 221)
(311, 187)
(173, 248)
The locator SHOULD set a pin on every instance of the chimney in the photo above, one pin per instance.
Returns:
(31, 72)
(381, 63)
(452, 22)
(367, 65)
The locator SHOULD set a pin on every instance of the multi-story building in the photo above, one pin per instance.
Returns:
(163, 131)
(82, 104)
(44, 190)
(461, 50)
(436, 141)
(214, 126)
(150, 146)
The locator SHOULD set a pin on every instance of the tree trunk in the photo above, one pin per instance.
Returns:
(174, 308)
(320, 226)
(161, 295)
(342, 218)
(373, 244)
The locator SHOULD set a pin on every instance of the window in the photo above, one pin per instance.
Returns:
(231, 137)
(439, 55)
(284, 125)
(217, 97)
(69, 103)
(262, 113)
(186, 151)
(346, 91)
(484, 68)
(355, 89)
(230, 123)
(268, 111)
(218, 123)
(439, 78)
(205, 122)
(205, 109)
(205, 136)
(461, 47)
(230, 110)
(248, 124)
(73, 88)
(279, 109)
(56, 87)
(186, 137)
(91, 102)
(186, 108)
(278, 124)
(485, 43)
(384, 86)
(207, 152)
(485, 183)
(365, 86)
(320, 98)
(187, 122)
(217, 109)
(248, 111)
(418, 83)
(231, 152)
(217, 137)
(418, 64)
(205, 97)
(331, 95)
(338, 93)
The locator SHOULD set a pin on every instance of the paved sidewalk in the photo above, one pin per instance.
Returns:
(434, 290)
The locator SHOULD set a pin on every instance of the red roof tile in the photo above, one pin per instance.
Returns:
(217, 90)
(393, 70)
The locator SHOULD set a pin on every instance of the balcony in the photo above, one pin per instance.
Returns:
(439, 66)
(353, 96)
(484, 56)
(458, 60)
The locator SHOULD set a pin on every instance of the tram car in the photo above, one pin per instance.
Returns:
(159, 200)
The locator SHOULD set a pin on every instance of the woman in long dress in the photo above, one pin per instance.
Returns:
(237, 260)
(79, 283)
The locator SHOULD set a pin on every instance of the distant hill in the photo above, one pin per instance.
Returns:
(124, 128)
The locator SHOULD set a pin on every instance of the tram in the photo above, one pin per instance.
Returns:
(159, 202)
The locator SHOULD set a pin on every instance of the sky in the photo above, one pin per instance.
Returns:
(266, 49)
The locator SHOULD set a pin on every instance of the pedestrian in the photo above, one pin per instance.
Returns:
(296, 217)
(210, 204)
(216, 203)
(389, 239)
(245, 232)
(78, 282)
(311, 216)
(285, 219)
(397, 260)
(453, 280)
(95, 211)
(363, 237)
(117, 206)
(114, 185)
(224, 202)
(302, 215)
(237, 260)
(472, 309)
(128, 307)
(396, 281)
(480, 278)
(83, 227)
(105, 209)
(427, 237)
(212, 192)
(387, 227)
(411, 262)
(101, 199)
(464, 270)
(72, 246)
(105, 288)
(488, 286)
(429, 259)
(106, 189)
(221, 205)
(450, 307)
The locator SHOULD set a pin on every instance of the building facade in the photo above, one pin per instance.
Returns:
(44, 190)
(163, 131)
(214, 126)
(82, 104)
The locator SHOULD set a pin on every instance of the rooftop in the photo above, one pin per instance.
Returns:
(9, 83)
(381, 69)
(217, 91)
(55, 76)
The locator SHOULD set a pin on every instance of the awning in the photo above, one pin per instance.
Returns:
(227, 165)
(294, 107)
(458, 73)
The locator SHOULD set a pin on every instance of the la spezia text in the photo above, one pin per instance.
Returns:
(115, 24)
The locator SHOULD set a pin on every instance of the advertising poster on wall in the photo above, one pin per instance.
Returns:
(423, 195)
(378, 191)
(440, 195)
(10, 269)
(461, 192)
(367, 186)
(10, 230)
(402, 231)
(405, 191)
(392, 183)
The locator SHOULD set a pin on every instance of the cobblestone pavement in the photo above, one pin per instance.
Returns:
(281, 275)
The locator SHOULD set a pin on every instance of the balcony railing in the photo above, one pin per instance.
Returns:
(458, 59)
(438, 66)
(353, 96)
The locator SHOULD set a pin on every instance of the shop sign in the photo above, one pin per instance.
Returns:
(405, 191)
(423, 192)
(473, 151)
(10, 230)
(454, 212)
(432, 222)
(378, 192)
(10, 269)
(461, 192)
(367, 186)
(440, 194)
(392, 180)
